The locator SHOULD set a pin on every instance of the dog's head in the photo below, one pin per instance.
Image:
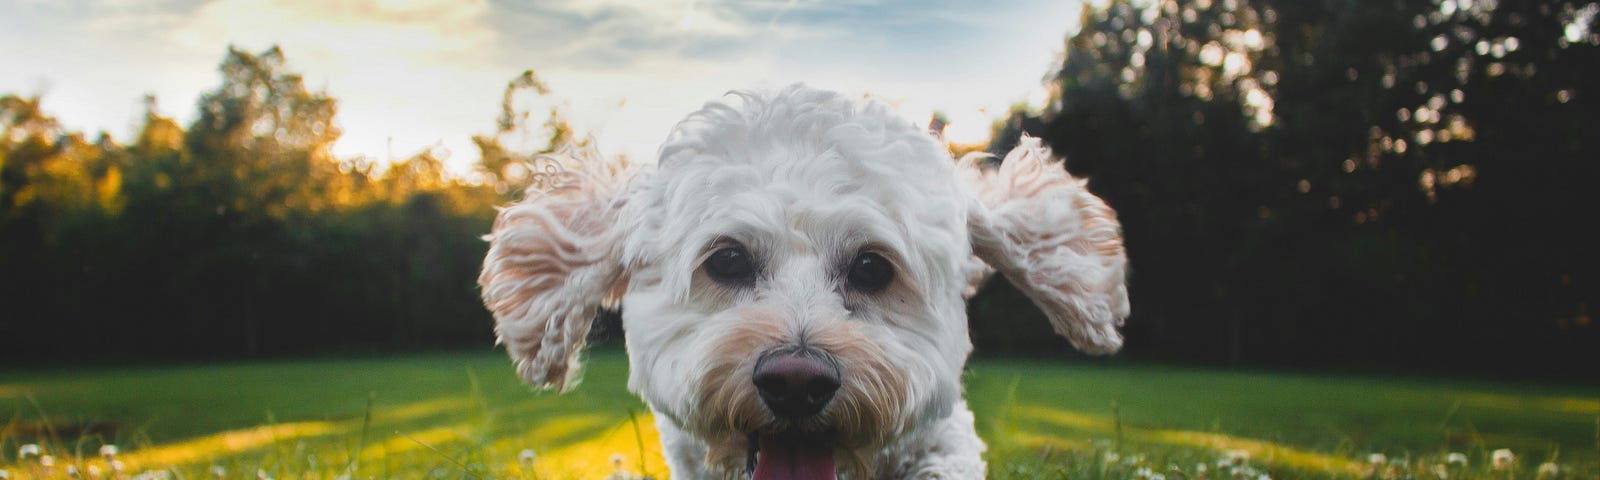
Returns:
(792, 273)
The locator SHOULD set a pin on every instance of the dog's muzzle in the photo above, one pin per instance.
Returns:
(794, 385)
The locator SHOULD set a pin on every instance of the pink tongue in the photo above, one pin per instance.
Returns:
(787, 459)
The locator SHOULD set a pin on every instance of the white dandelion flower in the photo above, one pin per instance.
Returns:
(1549, 470)
(1456, 458)
(29, 450)
(117, 466)
(1501, 459)
(5, 474)
(152, 475)
(94, 471)
(527, 456)
(617, 473)
(72, 471)
(47, 461)
(108, 451)
(218, 472)
(1377, 459)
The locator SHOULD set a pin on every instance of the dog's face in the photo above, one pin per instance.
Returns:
(800, 286)
(791, 276)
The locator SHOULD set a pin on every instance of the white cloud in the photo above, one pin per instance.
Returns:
(408, 74)
(424, 30)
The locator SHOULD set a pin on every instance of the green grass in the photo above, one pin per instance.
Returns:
(1179, 413)
(467, 416)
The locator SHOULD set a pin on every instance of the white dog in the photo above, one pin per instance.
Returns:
(792, 277)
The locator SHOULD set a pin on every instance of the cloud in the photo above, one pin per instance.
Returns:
(420, 30)
(409, 74)
(613, 34)
(413, 74)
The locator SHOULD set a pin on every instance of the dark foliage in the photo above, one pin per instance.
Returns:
(1356, 184)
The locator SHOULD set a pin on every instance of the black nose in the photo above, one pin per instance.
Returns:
(796, 384)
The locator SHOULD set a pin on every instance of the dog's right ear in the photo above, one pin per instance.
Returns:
(1057, 243)
(552, 261)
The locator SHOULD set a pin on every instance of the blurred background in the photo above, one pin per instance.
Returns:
(1397, 186)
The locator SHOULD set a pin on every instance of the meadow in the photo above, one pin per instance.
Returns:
(466, 415)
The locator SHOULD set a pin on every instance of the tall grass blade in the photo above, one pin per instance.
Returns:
(465, 469)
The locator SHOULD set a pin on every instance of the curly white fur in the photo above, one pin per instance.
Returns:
(805, 180)
(1075, 274)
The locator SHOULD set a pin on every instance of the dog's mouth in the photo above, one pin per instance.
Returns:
(791, 455)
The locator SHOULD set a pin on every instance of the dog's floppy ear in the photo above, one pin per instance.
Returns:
(1056, 242)
(552, 261)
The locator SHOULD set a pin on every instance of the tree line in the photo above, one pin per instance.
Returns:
(241, 235)
(1337, 183)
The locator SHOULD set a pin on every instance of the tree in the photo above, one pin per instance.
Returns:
(508, 159)
(241, 235)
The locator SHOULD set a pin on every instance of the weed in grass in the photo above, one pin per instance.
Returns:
(528, 460)
(465, 469)
(361, 442)
(638, 438)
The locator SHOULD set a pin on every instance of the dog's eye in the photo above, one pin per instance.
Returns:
(870, 272)
(731, 265)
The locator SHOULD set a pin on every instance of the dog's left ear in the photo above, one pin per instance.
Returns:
(552, 261)
(1056, 242)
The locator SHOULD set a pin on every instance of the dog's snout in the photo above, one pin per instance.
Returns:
(796, 384)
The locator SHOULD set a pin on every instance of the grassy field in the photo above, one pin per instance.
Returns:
(467, 416)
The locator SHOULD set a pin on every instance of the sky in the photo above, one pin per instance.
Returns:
(412, 75)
